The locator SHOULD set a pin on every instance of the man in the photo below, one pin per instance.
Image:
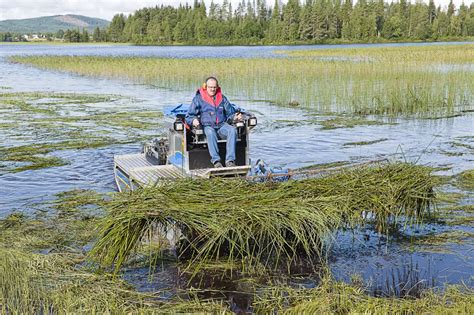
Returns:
(214, 111)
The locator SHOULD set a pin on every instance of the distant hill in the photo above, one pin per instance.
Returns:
(52, 24)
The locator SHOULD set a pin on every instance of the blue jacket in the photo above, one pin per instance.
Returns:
(212, 111)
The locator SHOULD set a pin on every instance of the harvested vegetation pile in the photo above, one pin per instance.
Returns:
(265, 223)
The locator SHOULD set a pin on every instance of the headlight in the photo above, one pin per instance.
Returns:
(252, 121)
(178, 126)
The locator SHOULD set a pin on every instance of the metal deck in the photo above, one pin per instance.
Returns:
(127, 162)
(152, 175)
(134, 170)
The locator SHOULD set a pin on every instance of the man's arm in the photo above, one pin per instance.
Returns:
(193, 112)
(231, 110)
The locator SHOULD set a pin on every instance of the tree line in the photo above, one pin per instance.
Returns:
(73, 36)
(314, 21)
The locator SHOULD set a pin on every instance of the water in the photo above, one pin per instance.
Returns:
(178, 51)
(284, 137)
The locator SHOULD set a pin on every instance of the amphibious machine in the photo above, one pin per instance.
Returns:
(183, 153)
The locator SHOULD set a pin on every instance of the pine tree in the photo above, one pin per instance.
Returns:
(273, 33)
(346, 14)
(431, 11)
(96, 35)
(116, 28)
(306, 27)
(84, 36)
(291, 17)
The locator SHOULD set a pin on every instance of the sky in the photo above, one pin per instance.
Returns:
(106, 9)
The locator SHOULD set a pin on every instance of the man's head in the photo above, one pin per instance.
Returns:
(211, 86)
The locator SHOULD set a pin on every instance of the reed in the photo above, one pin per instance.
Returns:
(38, 284)
(44, 269)
(430, 81)
(263, 223)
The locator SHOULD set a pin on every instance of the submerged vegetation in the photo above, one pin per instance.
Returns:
(38, 123)
(348, 122)
(411, 80)
(466, 180)
(359, 143)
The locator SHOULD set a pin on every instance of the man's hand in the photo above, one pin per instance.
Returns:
(238, 117)
(196, 123)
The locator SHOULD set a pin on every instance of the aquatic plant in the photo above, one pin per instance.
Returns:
(426, 80)
(465, 180)
(47, 122)
(263, 223)
(359, 143)
(347, 122)
(44, 269)
(54, 283)
(333, 297)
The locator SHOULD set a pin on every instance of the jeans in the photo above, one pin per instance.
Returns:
(225, 131)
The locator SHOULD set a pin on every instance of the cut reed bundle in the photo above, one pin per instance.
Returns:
(55, 284)
(333, 297)
(264, 222)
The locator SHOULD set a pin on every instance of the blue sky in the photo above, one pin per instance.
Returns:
(106, 9)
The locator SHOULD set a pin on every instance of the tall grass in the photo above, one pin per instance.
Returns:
(430, 80)
(264, 223)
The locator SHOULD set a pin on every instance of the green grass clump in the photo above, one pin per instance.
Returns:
(264, 223)
(425, 81)
(358, 143)
(453, 236)
(465, 180)
(348, 122)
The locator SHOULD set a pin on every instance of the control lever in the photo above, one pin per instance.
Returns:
(198, 130)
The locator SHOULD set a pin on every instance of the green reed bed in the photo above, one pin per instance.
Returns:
(264, 223)
(432, 81)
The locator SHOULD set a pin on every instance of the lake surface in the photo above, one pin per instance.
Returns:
(284, 138)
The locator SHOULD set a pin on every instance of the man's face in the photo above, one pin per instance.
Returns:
(211, 88)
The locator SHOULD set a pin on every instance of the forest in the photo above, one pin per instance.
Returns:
(315, 21)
